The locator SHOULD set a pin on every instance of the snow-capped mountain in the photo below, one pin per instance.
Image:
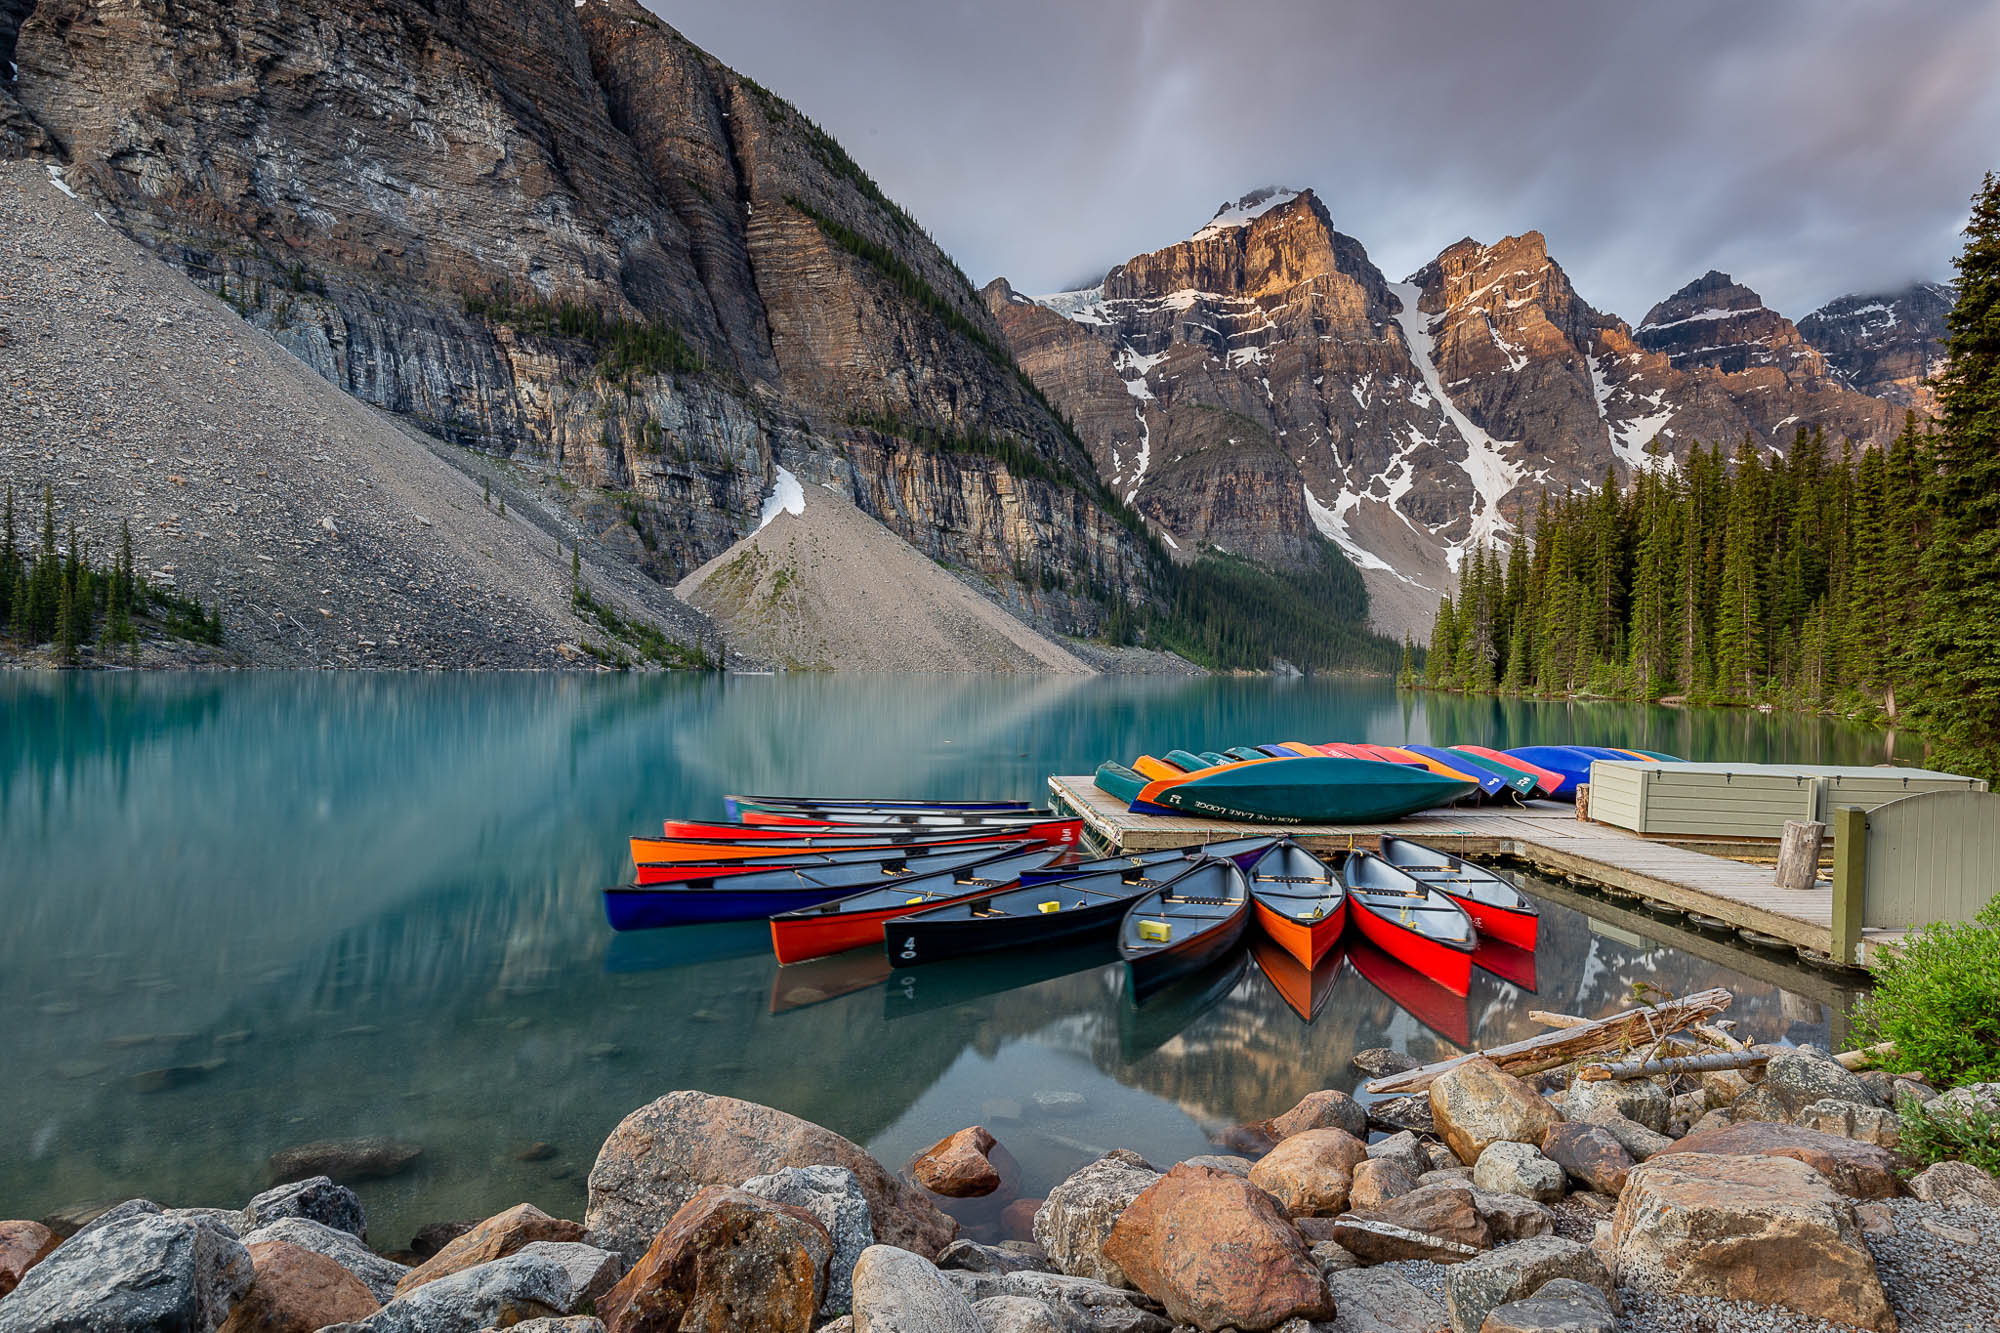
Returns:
(1886, 345)
(1262, 382)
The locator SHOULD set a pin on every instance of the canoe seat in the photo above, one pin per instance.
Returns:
(1202, 902)
(1293, 879)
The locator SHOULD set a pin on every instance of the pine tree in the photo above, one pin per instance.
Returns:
(66, 640)
(1955, 653)
(9, 561)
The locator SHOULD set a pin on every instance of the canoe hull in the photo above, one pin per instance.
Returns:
(912, 940)
(1508, 925)
(640, 907)
(1152, 972)
(1320, 789)
(1307, 941)
(1448, 967)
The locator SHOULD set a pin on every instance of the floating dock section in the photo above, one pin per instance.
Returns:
(1707, 886)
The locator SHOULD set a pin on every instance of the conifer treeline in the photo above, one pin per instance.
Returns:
(1860, 583)
(1756, 578)
(57, 594)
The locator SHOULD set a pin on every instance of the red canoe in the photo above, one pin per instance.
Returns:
(1547, 779)
(1495, 906)
(1410, 922)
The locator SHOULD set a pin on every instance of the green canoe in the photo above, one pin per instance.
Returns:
(1300, 790)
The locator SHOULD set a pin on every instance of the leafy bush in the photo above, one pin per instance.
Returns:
(1931, 1134)
(1938, 999)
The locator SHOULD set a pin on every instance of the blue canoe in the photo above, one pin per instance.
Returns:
(1490, 783)
(1571, 761)
(761, 894)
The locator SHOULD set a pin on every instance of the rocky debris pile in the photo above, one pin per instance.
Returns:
(1527, 1211)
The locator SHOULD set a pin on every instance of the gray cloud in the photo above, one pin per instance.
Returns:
(1810, 148)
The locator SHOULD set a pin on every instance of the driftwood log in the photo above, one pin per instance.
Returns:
(1696, 1064)
(1614, 1035)
(1798, 854)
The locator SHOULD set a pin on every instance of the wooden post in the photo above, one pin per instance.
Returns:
(1850, 860)
(1798, 854)
(1583, 801)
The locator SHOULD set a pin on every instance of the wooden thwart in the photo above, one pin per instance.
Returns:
(1552, 1050)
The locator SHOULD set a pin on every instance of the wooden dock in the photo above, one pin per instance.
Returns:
(1548, 836)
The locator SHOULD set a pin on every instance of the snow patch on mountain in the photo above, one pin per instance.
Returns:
(1492, 473)
(1246, 210)
(1332, 525)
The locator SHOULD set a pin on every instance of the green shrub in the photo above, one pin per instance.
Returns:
(1938, 999)
(1931, 1134)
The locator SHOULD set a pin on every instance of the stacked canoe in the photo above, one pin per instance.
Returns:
(1341, 782)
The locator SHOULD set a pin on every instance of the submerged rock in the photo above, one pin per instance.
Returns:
(956, 1166)
(344, 1159)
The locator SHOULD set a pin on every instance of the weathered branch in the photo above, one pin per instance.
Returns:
(1552, 1050)
(1740, 1058)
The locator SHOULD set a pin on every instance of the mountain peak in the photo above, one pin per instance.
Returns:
(1714, 295)
(1242, 212)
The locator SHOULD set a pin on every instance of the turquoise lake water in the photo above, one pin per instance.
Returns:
(250, 911)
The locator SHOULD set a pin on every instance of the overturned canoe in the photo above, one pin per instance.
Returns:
(1296, 789)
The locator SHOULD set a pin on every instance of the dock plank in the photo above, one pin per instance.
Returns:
(1545, 834)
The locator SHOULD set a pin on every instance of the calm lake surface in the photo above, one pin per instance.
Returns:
(250, 911)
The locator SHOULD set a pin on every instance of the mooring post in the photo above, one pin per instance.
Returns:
(1850, 890)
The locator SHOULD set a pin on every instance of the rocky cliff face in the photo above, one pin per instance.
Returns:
(1262, 383)
(1886, 345)
(556, 230)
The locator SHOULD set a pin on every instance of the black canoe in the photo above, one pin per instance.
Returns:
(1052, 912)
(1195, 919)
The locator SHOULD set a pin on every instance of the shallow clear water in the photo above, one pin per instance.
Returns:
(335, 906)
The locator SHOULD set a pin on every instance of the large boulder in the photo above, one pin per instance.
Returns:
(1764, 1229)
(1378, 1180)
(297, 1291)
(22, 1246)
(138, 1271)
(664, 1152)
(1325, 1109)
(1638, 1142)
(1562, 1305)
(372, 1158)
(592, 1272)
(1859, 1170)
(529, 1284)
(1589, 1155)
(1956, 1185)
(1510, 1217)
(1852, 1120)
(833, 1195)
(1075, 1304)
(495, 1238)
(1643, 1100)
(899, 1292)
(956, 1165)
(1381, 1300)
(377, 1274)
(1076, 1219)
(316, 1199)
(1798, 1077)
(1311, 1172)
(1507, 1167)
(1404, 1148)
(1438, 1222)
(1017, 1314)
(1214, 1250)
(1512, 1272)
(1963, 1102)
(969, 1256)
(1477, 1103)
(726, 1259)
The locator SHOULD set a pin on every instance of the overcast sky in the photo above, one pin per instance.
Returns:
(1810, 148)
